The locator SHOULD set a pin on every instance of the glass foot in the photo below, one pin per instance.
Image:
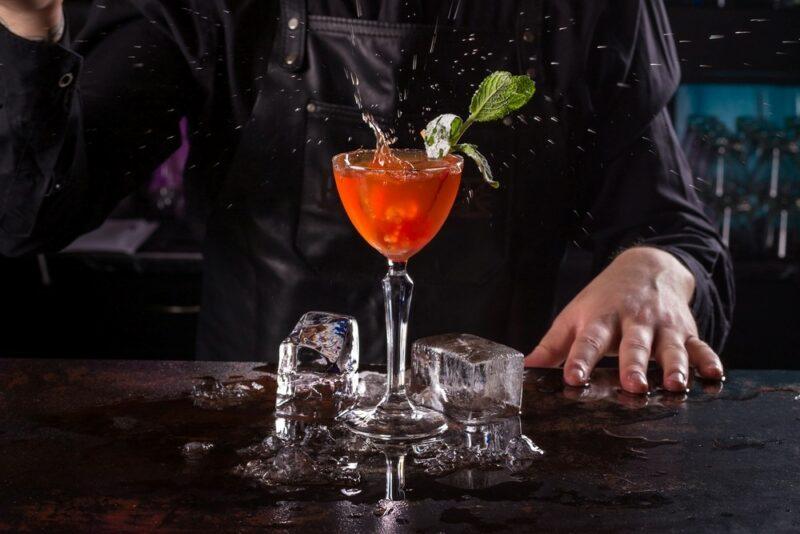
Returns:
(410, 424)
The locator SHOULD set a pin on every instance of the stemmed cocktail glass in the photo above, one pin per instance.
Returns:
(397, 202)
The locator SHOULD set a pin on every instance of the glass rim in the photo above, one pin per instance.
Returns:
(340, 160)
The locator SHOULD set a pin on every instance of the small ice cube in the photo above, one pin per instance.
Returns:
(521, 452)
(264, 449)
(311, 456)
(194, 450)
(318, 364)
(211, 394)
(480, 456)
(321, 342)
(467, 377)
(293, 464)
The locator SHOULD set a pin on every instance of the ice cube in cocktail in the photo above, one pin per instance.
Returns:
(469, 378)
(318, 365)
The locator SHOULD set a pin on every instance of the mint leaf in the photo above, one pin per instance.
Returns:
(499, 94)
(441, 134)
(471, 151)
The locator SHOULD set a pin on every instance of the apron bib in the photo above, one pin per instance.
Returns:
(279, 242)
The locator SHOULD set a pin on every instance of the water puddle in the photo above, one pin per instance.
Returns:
(223, 437)
(737, 443)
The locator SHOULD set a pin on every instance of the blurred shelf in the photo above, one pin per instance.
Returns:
(174, 247)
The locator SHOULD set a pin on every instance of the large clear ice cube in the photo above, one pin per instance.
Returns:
(318, 365)
(469, 378)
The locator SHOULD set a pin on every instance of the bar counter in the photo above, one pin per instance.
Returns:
(99, 446)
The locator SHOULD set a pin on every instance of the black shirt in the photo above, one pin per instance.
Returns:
(268, 88)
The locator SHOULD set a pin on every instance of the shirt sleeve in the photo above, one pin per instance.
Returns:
(83, 123)
(641, 193)
(36, 99)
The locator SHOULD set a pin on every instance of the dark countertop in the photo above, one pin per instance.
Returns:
(96, 445)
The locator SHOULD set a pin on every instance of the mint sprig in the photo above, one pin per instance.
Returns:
(480, 160)
(499, 94)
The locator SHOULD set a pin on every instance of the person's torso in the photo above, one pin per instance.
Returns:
(289, 81)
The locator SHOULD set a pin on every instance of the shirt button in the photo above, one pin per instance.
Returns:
(293, 23)
(66, 80)
(311, 107)
(531, 72)
(290, 59)
(528, 36)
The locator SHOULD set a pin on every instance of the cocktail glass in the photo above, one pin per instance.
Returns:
(397, 206)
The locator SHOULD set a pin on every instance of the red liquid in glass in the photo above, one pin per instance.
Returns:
(398, 204)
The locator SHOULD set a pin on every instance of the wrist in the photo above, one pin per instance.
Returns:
(662, 268)
(45, 24)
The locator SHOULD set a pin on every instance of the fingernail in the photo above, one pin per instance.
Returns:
(579, 374)
(713, 371)
(678, 378)
(638, 378)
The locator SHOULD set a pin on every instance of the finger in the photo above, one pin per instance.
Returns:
(552, 350)
(634, 353)
(589, 347)
(704, 359)
(670, 352)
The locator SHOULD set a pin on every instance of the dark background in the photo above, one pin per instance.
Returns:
(145, 306)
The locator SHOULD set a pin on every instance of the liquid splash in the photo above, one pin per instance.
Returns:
(384, 157)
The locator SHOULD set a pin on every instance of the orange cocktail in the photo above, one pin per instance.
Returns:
(399, 206)
(397, 200)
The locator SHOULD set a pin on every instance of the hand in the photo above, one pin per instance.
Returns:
(638, 308)
(36, 20)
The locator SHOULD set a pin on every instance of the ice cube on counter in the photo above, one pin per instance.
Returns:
(469, 378)
(211, 394)
(478, 456)
(196, 450)
(310, 455)
(318, 365)
(322, 342)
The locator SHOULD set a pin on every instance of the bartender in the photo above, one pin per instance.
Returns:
(268, 88)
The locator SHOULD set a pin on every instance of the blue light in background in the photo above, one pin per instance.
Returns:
(728, 101)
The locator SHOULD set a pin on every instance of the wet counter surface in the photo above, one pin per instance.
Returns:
(91, 445)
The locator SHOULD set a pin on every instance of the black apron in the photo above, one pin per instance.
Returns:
(279, 242)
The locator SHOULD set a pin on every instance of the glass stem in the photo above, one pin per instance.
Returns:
(395, 477)
(397, 290)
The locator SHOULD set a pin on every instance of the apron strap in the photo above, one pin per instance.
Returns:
(294, 24)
